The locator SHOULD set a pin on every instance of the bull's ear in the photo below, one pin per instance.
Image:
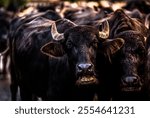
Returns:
(53, 50)
(110, 46)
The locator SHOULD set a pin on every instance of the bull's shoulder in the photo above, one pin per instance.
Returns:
(32, 35)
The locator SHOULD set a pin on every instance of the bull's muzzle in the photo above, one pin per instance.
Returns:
(85, 74)
(85, 68)
(131, 83)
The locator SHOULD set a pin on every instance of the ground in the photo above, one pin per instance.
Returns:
(5, 94)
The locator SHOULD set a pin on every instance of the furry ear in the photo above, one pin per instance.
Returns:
(53, 50)
(111, 46)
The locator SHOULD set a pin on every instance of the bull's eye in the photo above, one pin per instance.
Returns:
(140, 52)
(69, 44)
(94, 43)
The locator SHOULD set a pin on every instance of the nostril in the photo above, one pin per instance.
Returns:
(89, 66)
(80, 67)
(135, 80)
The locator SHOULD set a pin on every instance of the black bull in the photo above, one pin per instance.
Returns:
(58, 66)
(127, 70)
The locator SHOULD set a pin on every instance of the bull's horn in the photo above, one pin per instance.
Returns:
(147, 19)
(5, 51)
(105, 30)
(55, 35)
(69, 21)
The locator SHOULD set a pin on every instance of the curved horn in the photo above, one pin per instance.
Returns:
(69, 21)
(5, 51)
(56, 36)
(105, 30)
(147, 19)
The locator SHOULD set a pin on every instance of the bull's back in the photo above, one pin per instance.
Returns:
(31, 64)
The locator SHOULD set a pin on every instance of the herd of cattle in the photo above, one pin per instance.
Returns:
(70, 51)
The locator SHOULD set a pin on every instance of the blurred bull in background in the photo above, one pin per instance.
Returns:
(4, 48)
(5, 18)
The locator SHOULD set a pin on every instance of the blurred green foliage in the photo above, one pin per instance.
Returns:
(4, 3)
(12, 3)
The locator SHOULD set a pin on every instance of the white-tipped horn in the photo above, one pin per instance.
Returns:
(105, 30)
(56, 36)
(147, 19)
(5, 51)
(69, 21)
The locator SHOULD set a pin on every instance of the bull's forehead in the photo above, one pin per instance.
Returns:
(82, 33)
(133, 45)
(119, 14)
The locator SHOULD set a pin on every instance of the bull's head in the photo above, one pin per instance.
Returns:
(132, 62)
(81, 44)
